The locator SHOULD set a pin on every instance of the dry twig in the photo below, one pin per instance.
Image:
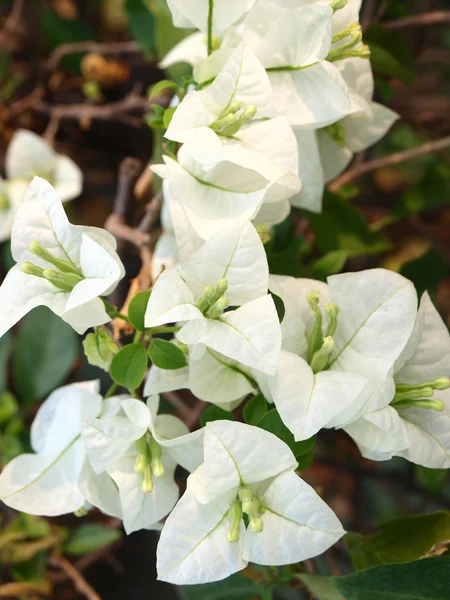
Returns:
(107, 48)
(389, 161)
(24, 588)
(437, 17)
(80, 583)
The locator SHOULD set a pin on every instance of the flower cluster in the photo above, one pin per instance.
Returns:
(282, 96)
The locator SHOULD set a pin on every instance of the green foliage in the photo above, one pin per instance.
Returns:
(159, 88)
(400, 540)
(391, 54)
(129, 365)
(343, 227)
(322, 587)
(272, 422)
(142, 24)
(91, 537)
(333, 262)
(166, 355)
(137, 308)
(433, 480)
(427, 271)
(8, 407)
(43, 356)
(5, 350)
(255, 409)
(425, 579)
(100, 348)
(215, 413)
(236, 587)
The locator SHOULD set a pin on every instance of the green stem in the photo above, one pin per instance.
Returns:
(111, 390)
(210, 26)
(137, 337)
(113, 313)
(157, 330)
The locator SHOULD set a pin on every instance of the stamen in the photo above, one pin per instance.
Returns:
(235, 514)
(216, 311)
(147, 483)
(155, 449)
(30, 269)
(315, 338)
(63, 281)
(338, 4)
(333, 312)
(321, 358)
(62, 265)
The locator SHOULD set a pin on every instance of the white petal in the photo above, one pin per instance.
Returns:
(191, 50)
(427, 353)
(29, 154)
(162, 380)
(250, 335)
(236, 453)
(189, 13)
(140, 510)
(67, 178)
(81, 318)
(201, 553)
(100, 491)
(298, 524)
(377, 313)
(184, 448)
(362, 132)
(44, 484)
(380, 431)
(59, 419)
(335, 159)
(307, 402)
(171, 301)
(310, 171)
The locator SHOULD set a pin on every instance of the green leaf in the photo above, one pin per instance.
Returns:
(426, 272)
(322, 587)
(331, 263)
(159, 88)
(168, 114)
(215, 413)
(5, 350)
(433, 480)
(142, 24)
(43, 356)
(235, 587)
(129, 365)
(90, 537)
(391, 53)
(8, 407)
(425, 579)
(99, 348)
(166, 355)
(343, 227)
(272, 422)
(255, 409)
(137, 308)
(279, 306)
(400, 540)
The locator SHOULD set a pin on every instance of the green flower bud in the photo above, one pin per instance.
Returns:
(30, 269)
(315, 338)
(147, 483)
(321, 358)
(62, 281)
(62, 265)
(100, 349)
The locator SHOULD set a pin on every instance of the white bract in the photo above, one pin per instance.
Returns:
(62, 266)
(29, 155)
(46, 483)
(217, 15)
(409, 416)
(234, 263)
(246, 470)
(138, 450)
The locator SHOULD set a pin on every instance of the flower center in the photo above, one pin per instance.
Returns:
(213, 302)
(65, 277)
(247, 503)
(420, 395)
(320, 348)
(148, 461)
(233, 118)
(337, 134)
(348, 49)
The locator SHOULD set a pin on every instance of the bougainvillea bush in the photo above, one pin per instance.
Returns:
(279, 98)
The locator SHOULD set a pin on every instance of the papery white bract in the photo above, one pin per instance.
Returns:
(46, 483)
(246, 470)
(197, 13)
(90, 265)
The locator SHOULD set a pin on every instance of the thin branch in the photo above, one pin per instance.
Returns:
(152, 213)
(368, 14)
(80, 583)
(437, 17)
(389, 161)
(129, 171)
(72, 48)
(15, 15)
(24, 588)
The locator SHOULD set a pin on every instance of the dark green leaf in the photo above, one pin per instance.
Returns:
(5, 350)
(272, 422)
(425, 579)
(343, 227)
(255, 409)
(426, 272)
(215, 413)
(392, 54)
(279, 305)
(168, 114)
(142, 24)
(433, 480)
(129, 365)
(161, 87)
(90, 537)
(331, 263)
(44, 354)
(305, 460)
(137, 308)
(8, 407)
(322, 587)
(166, 355)
(235, 587)
(400, 540)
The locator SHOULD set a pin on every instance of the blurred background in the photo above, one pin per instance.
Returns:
(78, 73)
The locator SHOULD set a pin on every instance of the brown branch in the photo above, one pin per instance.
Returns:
(370, 7)
(80, 583)
(388, 161)
(152, 213)
(25, 588)
(109, 48)
(438, 17)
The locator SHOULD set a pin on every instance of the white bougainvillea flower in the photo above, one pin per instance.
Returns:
(46, 483)
(259, 166)
(62, 266)
(166, 250)
(246, 470)
(240, 92)
(234, 263)
(192, 50)
(140, 450)
(197, 13)
(212, 378)
(410, 415)
(28, 155)
(307, 89)
(337, 344)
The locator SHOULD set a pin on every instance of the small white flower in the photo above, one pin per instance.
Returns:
(59, 265)
(246, 470)
(28, 155)
(138, 450)
(233, 262)
(409, 415)
(46, 483)
(196, 13)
